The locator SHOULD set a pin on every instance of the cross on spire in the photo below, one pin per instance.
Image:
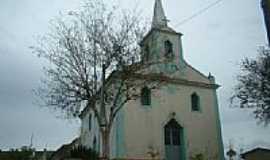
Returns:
(159, 18)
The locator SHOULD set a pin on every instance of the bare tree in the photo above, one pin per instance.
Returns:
(253, 89)
(94, 59)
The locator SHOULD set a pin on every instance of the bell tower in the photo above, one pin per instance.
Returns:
(162, 43)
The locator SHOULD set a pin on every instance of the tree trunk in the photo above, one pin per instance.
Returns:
(106, 130)
(105, 144)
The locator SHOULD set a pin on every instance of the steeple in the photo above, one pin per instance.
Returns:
(159, 18)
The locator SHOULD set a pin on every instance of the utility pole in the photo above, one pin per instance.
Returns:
(31, 141)
(266, 11)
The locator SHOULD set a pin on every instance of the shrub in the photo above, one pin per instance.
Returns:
(84, 153)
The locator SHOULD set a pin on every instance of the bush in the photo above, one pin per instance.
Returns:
(84, 153)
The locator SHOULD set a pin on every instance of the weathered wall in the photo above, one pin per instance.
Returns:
(87, 135)
(155, 42)
(143, 125)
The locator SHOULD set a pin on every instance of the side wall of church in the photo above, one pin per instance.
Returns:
(89, 132)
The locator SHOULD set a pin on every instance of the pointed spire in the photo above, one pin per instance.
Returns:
(159, 18)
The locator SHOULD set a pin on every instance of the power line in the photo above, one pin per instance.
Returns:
(198, 13)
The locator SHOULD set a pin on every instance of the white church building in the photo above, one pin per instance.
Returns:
(176, 122)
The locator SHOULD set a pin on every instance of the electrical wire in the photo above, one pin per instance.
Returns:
(198, 13)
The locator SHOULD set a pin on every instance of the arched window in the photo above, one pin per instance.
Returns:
(195, 102)
(172, 133)
(95, 143)
(168, 46)
(90, 121)
(146, 53)
(146, 96)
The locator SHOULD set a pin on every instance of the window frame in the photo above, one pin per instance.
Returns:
(90, 122)
(168, 49)
(95, 143)
(146, 52)
(195, 102)
(146, 96)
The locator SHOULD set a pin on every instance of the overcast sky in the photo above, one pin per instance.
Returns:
(213, 42)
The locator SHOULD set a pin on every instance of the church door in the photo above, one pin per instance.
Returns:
(173, 141)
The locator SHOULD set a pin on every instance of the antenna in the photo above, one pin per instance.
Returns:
(31, 140)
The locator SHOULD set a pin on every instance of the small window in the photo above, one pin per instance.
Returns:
(146, 53)
(195, 102)
(90, 122)
(168, 49)
(95, 143)
(146, 96)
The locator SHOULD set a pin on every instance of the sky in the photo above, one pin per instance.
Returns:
(215, 42)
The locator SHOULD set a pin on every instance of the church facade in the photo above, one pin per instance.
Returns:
(176, 122)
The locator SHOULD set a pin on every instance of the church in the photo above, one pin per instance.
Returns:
(179, 121)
